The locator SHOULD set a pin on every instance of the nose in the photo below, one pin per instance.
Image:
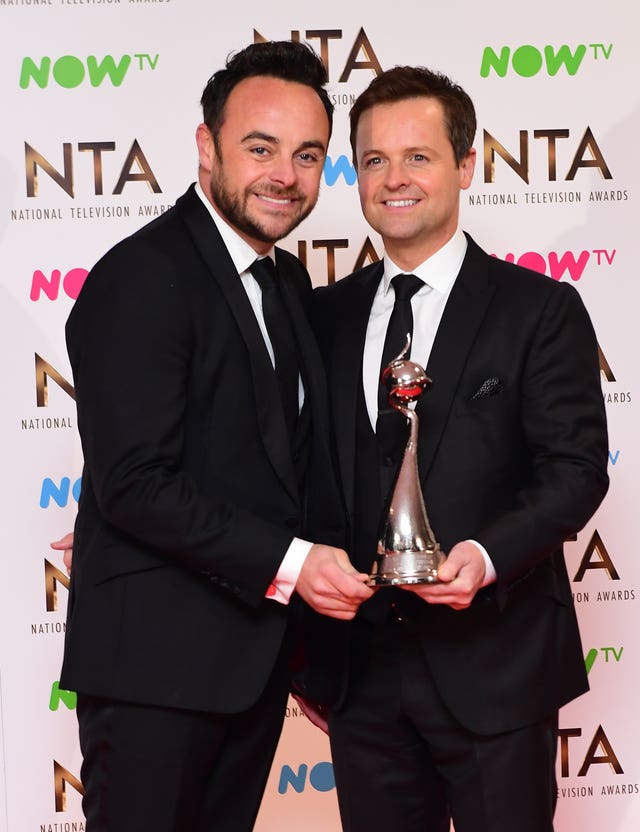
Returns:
(396, 176)
(283, 171)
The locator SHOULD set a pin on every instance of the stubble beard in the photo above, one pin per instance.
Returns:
(233, 207)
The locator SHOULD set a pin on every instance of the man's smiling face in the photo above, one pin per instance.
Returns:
(408, 179)
(262, 173)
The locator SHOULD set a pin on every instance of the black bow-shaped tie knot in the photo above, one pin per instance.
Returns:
(282, 337)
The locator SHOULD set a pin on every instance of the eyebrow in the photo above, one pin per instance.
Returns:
(425, 148)
(266, 137)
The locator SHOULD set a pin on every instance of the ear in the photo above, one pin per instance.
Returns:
(206, 147)
(467, 167)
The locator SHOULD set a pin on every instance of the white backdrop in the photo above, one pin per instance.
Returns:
(99, 106)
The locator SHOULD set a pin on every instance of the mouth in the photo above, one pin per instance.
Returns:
(276, 202)
(400, 203)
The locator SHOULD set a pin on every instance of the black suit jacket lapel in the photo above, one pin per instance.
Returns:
(346, 371)
(462, 317)
(268, 403)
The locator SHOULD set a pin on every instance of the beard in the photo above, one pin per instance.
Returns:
(233, 207)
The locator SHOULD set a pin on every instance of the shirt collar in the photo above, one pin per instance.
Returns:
(440, 270)
(239, 250)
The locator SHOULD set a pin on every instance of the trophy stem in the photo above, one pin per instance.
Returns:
(408, 552)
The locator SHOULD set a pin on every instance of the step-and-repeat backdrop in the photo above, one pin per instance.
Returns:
(99, 104)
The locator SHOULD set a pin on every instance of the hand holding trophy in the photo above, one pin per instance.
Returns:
(408, 552)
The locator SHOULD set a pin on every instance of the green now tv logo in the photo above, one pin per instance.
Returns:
(527, 60)
(68, 698)
(69, 71)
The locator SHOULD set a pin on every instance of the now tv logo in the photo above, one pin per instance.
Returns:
(50, 285)
(319, 776)
(59, 492)
(341, 167)
(528, 60)
(558, 264)
(69, 71)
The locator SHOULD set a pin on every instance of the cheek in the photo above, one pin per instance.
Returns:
(311, 183)
(364, 192)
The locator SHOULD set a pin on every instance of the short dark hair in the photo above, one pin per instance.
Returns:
(285, 59)
(403, 82)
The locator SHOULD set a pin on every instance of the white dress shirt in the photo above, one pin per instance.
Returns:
(438, 273)
(243, 257)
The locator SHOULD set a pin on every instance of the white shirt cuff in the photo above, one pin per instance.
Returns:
(489, 569)
(287, 576)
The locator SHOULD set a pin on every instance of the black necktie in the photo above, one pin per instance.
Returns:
(390, 427)
(282, 338)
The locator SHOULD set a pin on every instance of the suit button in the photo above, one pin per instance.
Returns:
(389, 461)
(291, 522)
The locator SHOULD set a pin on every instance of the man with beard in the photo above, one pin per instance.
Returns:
(201, 406)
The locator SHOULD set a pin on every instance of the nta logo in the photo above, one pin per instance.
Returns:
(599, 743)
(62, 778)
(135, 168)
(361, 46)
(596, 557)
(587, 154)
(53, 578)
(527, 60)
(44, 372)
(69, 71)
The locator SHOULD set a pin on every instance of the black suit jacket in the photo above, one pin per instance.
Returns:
(513, 454)
(190, 496)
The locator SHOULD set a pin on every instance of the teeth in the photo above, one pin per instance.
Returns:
(400, 203)
(276, 201)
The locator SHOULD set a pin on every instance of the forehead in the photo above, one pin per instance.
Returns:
(409, 123)
(281, 108)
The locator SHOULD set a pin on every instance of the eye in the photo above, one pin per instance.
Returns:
(372, 161)
(308, 157)
(260, 150)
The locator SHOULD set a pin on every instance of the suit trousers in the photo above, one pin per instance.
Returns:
(403, 763)
(170, 770)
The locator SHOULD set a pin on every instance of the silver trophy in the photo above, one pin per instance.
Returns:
(408, 552)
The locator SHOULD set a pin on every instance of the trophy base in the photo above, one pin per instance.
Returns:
(406, 568)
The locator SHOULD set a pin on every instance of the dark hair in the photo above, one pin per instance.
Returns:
(403, 82)
(285, 59)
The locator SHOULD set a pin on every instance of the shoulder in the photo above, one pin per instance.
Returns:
(352, 283)
(290, 265)
(294, 275)
(518, 282)
(149, 267)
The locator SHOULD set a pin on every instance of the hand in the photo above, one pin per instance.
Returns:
(462, 574)
(65, 544)
(329, 583)
(316, 714)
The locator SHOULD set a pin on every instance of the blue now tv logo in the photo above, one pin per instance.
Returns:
(59, 492)
(319, 776)
(341, 167)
